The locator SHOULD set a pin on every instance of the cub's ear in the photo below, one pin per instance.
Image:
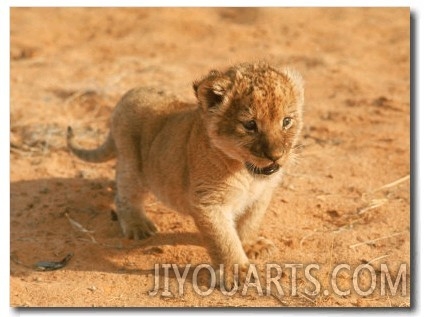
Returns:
(212, 89)
(297, 81)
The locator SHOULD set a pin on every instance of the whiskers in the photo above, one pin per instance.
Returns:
(252, 168)
(268, 170)
(295, 155)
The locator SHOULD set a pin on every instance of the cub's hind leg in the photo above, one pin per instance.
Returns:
(131, 192)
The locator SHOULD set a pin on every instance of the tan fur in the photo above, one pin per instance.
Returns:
(195, 158)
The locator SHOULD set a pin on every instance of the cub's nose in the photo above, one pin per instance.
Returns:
(274, 154)
(267, 150)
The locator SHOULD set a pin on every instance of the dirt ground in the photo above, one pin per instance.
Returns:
(347, 201)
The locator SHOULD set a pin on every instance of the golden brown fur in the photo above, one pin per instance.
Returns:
(218, 161)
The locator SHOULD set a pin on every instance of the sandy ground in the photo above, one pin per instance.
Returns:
(347, 201)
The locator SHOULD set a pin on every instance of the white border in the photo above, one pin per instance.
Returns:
(423, 54)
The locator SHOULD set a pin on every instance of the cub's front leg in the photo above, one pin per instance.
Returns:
(248, 226)
(217, 226)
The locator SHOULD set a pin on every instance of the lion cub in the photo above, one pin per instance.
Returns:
(218, 161)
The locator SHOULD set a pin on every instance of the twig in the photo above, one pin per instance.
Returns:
(92, 239)
(345, 227)
(375, 203)
(78, 225)
(378, 258)
(78, 94)
(305, 237)
(396, 182)
(374, 240)
(81, 228)
(304, 296)
(115, 298)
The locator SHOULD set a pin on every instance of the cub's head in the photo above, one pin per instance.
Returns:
(253, 113)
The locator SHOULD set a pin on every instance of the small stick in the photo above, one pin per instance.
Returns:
(375, 203)
(378, 258)
(305, 237)
(304, 296)
(81, 228)
(374, 240)
(78, 225)
(396, 182)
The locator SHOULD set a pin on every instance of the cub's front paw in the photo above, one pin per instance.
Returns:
(138, 228)
(231, 277)
(261, 248)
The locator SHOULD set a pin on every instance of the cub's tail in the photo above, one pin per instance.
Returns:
(101, 154)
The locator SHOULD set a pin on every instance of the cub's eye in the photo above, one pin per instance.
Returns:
(287, 122)
(250, 125)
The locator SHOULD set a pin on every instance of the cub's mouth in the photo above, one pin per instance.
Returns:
(268, 170)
